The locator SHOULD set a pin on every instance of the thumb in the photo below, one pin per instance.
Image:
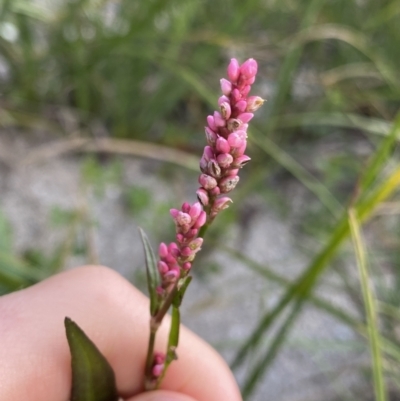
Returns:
(161, 395)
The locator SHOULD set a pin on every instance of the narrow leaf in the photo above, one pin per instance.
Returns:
(93, 379)
(174, 330)
(153, 278)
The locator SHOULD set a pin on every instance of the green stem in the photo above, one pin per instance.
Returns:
(148, 383)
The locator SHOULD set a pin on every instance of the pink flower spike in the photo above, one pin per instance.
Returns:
(249, 68)
(162, 267)
(233, 70)
(224, 160)
(211, 136)
(235, 140)
(202, 196)
(219, 120)
(225, 110)
(229, 183)
(254, 103)
(226, 87)
(223, 99)
(195, 211)
(245, 117)
(186, 266)
(201, 220)
(163, 250)
(222, 145)
(207, 182)
(241, 105)
(221, 204)
(211, 123)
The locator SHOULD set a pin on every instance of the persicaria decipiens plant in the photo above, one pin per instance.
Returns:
(223, 157)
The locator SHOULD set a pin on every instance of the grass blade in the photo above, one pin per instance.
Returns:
(370, 308)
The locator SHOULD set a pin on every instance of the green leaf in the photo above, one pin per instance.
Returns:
(93, 379)
(182, 286)
(173, 339)
(153, 278)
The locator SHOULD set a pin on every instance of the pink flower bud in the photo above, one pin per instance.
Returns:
(201, 220)
(211, 136)
(214, 169)
(173, 249)
(163, 250)
(221, 204)
(203, 165)
(211, 123)
(235, 140)
(171, 275)
(222, 145)
(236, 95)
(186, 251)
(207, 182)
(157, 370)
(174, 213)
(245, 91)
(183, 219)
(185, 207)
(227, 184)
(170, 260)
(180, 238)
(208, 153)
(249, 68)
(250, 81)
(195, 211)
(241, 105)
(226, 87)
(237, 152)
(225, 110)
(186, 266)
(162, 267)
(233, 124)
(159, 358)
(233, 70)
(224, 160)
(215, 191)
(254, 103)
(245, 117)
(223, 99)
(192, 233)
(219, 120)
(241, 161)
(202, 196)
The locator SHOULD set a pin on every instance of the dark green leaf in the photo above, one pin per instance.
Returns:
(153, 278)
(93, 378)
(174, 331)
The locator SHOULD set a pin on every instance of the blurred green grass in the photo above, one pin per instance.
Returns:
(148, 71)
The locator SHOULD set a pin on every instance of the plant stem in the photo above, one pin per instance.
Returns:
(148, 383)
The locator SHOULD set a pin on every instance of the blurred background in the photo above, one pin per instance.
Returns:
(102, 110)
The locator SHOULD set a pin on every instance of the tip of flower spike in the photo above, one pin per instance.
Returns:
(249, 68)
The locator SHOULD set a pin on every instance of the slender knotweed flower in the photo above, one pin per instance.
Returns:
(223, 157)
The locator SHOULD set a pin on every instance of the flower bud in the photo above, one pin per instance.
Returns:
(174, 213)
(241, 161)
(227, 184)
(233, 70)
(214, 169)
(237, 152)
(245, 91)
(215, 191)
(226, 87)
(223, 99)
(222, 145)
(241, 105)
(163, 250)
(219, 120)
(236, 95)
(224, 160)
(186, 266)
(207, 182)
(221, 204)
(202, 196)
(201, 220)
(183, 219)
(249, 68)
(185, 207)
(208, 153)
(196, 244)
(235, 140)
(211, 123)
(162, 267)
(245, 117)
(195, 211)
(225, 110)
(254, 103)
(171, 276)
(211, 136)
(186, 251)
(157, 370)
(233, 124)
(203, 165)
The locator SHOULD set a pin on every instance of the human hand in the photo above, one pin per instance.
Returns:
(35, 362)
